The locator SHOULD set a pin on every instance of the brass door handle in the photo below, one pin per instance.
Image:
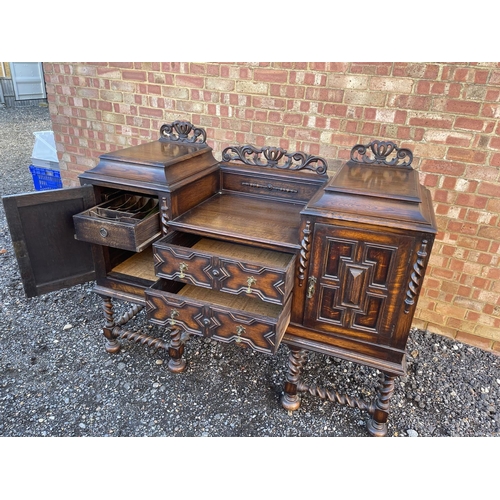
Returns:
(311, 288)
(182, 267)
(240, 330)
(250, 281)
(173, 315)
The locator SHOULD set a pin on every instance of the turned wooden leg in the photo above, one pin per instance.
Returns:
(291, 400)
(112, 345)
(176, 363)
(377, 425)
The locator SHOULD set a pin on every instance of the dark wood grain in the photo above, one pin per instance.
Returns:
(249, 253)
(42, 231)
(246, 219)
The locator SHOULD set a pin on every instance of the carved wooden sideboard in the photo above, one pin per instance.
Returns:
(262, 248)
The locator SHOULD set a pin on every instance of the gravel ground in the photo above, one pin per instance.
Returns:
(56, 379)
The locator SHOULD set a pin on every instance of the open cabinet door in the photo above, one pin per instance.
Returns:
(42, 231)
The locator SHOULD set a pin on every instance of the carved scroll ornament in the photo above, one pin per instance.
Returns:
(275, 158)
(380, 152)
(182, 131)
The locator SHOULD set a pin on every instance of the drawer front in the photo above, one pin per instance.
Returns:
(226, 324)
(277, 188)
(110, 224)
(207, 264)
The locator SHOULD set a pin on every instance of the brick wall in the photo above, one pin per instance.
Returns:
(446, 113)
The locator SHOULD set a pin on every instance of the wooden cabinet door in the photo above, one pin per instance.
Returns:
(42, 231)
(357, 282)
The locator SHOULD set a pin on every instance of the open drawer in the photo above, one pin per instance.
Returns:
(218, 315)
(227, 267)
(130, 222)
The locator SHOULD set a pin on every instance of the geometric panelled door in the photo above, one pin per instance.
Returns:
(357, 280)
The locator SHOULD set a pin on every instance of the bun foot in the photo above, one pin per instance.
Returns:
(376, 429)
(177, 365)
(290, 402)
(113, 346)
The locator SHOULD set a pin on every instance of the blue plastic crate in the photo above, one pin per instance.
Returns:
(45, 178)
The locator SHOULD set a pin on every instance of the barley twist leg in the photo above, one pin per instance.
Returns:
(112, 344)
(290, 399)
(377, 425)
(177, 363)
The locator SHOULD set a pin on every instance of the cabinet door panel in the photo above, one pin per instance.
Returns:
(42, 230)
(360, 282)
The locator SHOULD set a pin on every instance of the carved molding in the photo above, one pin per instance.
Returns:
(273, 157)
(416, 277)
(380, 152)
(182, 131)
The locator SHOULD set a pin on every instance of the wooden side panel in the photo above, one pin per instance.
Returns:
(41, 226)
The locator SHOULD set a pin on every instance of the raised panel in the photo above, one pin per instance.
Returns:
(360, 279)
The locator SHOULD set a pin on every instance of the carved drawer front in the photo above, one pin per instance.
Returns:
(278, 188)
(357, 282)
(219, 316)
(227, 267)
(128, 222)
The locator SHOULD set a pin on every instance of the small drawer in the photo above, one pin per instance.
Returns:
(272, 186)
(226, 267)
(218, 315)
(128, 222)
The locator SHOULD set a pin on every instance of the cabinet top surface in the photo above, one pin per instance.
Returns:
(379, 194)
(157, 153)
(377, 181)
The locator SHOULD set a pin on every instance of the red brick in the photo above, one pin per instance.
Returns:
(474, 340)
(290, 91)
(424, 87)
(466, 155)
(140, 76)
(469, 123)
(442, 122)
(471, 200)
(271, 75)
(490, 110)
(269, 103)
(489, 189)
(268, 129)
(190, 81)
(482, 173)
(124, 65)
(416, 70)
(495, 160)
(371, 68)
(411, 102)
(465, 107)
(151, 112)
(461, 74)
(329, 95)
(443, 167)
(492, 95)
(491, 233)
(481, 76)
